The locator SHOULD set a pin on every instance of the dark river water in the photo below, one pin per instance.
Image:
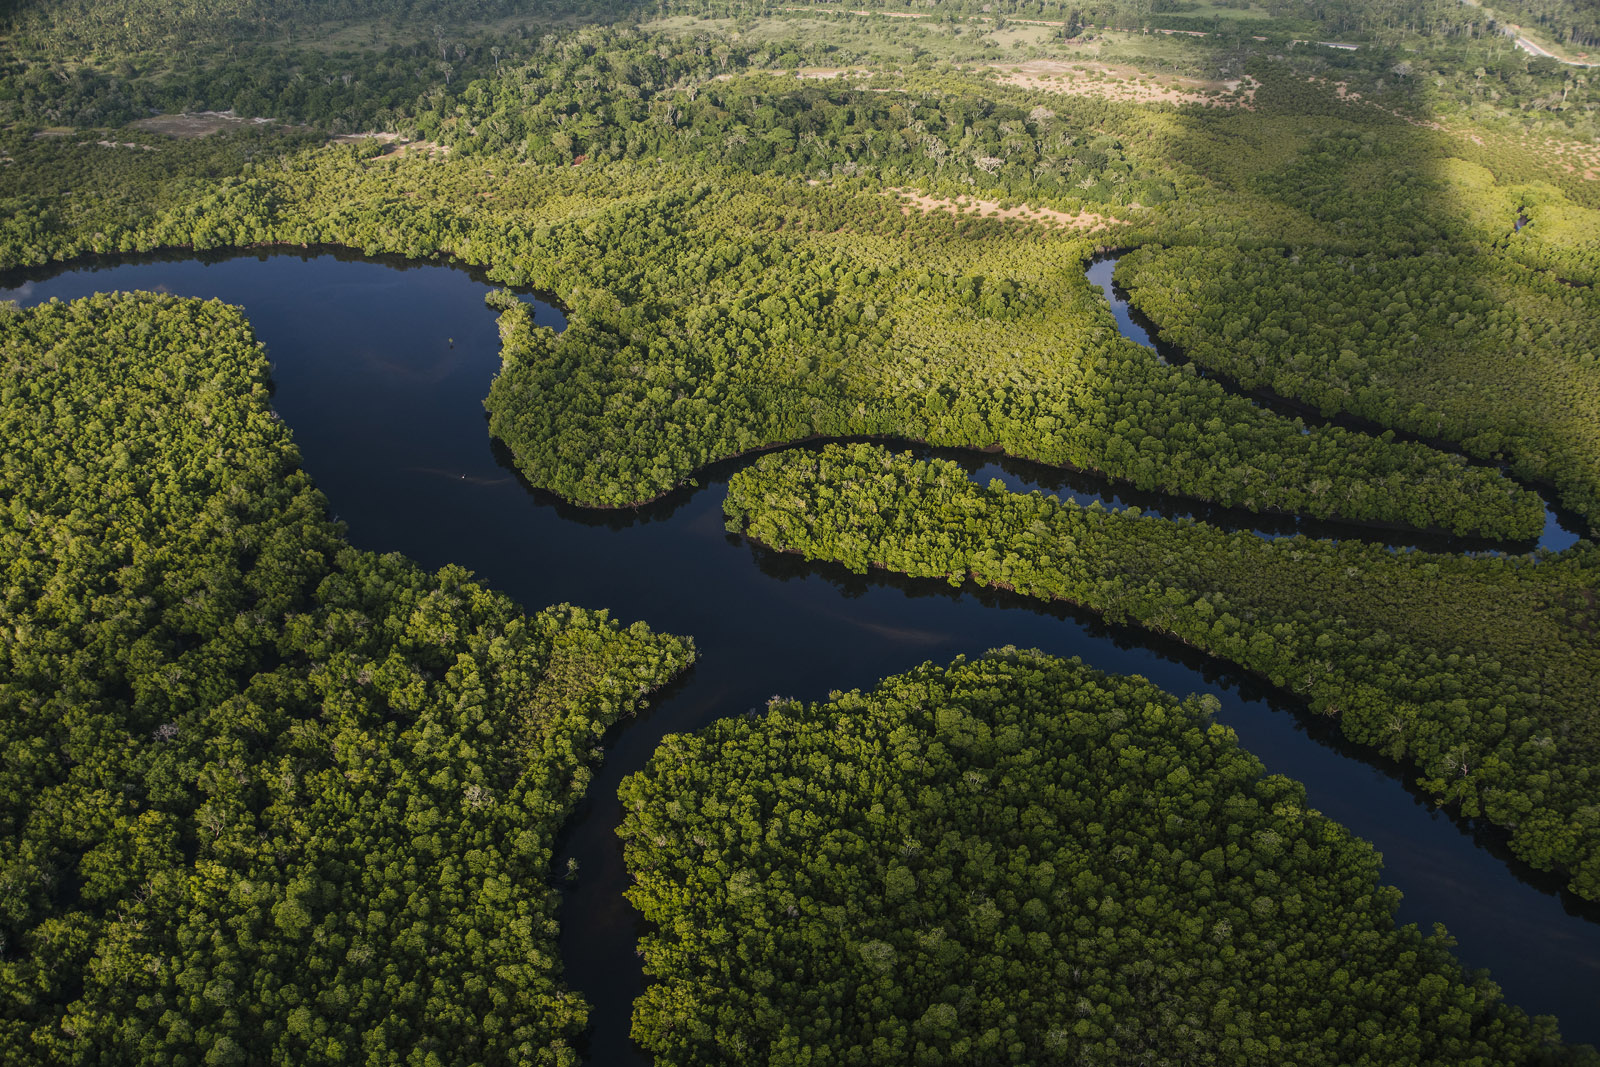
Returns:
(380, 368)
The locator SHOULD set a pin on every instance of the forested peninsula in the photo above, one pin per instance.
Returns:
(718, 304)
(1479, 669)
(263, 795)
(858, 881)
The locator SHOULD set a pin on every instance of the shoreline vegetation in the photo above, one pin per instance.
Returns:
(255, 780)
(1471, 668)
(856, 879)
(621, 315)
(262, 790)
(540, 405)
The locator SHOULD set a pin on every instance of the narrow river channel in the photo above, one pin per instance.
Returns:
(381, 367)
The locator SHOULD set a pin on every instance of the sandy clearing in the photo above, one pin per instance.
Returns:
(915, 200)
(825, 73)
(425, 148)
(1124, 84)
(1586, 155)
(357, 138)
(196, 124)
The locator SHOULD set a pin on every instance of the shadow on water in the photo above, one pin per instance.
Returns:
(662, 509)
(381, 374)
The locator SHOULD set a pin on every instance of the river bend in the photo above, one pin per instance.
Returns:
(380, 368)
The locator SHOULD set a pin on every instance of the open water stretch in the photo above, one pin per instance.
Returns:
(380, 368)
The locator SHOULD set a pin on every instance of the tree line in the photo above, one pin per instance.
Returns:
(709, 317)
(1479, 671)
(1019, 860)
(264, 797)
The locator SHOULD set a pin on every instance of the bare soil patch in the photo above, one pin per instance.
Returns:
(914, 200)
(357, 138)
(825, 73)
(1572, 155)
(197, 124)
(417, 148)
(1125, 84)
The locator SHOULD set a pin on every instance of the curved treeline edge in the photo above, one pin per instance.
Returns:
(262, 796)
(1491, 354)
(1019, 860)
(708, 319)
(1480, 670)
(716, 311)
(900, 351)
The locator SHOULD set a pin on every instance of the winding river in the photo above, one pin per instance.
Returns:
(380, 368)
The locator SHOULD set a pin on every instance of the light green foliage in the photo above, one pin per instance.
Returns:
(228, 734)
(1408, 300)
(707, 319)
(1018, 860)
(262, 796)
(1481, 670)
(1491, 354)
(720, 305)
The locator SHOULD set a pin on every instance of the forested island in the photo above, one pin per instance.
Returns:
(271, 798)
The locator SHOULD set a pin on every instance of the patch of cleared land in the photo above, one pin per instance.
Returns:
(426, 148)
(825, 73)
(914, 200)
(1124, 84)
(197, 124)
(357, 138)
(1571, 156)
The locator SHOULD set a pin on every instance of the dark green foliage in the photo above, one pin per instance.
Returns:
(228, 733)
(716, 311)
(1575, 23)
(79, 26)
(1017, 860)
(262, 796)
(1364, 266)
(1481, 670)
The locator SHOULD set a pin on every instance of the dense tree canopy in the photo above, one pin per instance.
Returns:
(1018, 860)
(710, 318)
(1481, 670)
(262, 796)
